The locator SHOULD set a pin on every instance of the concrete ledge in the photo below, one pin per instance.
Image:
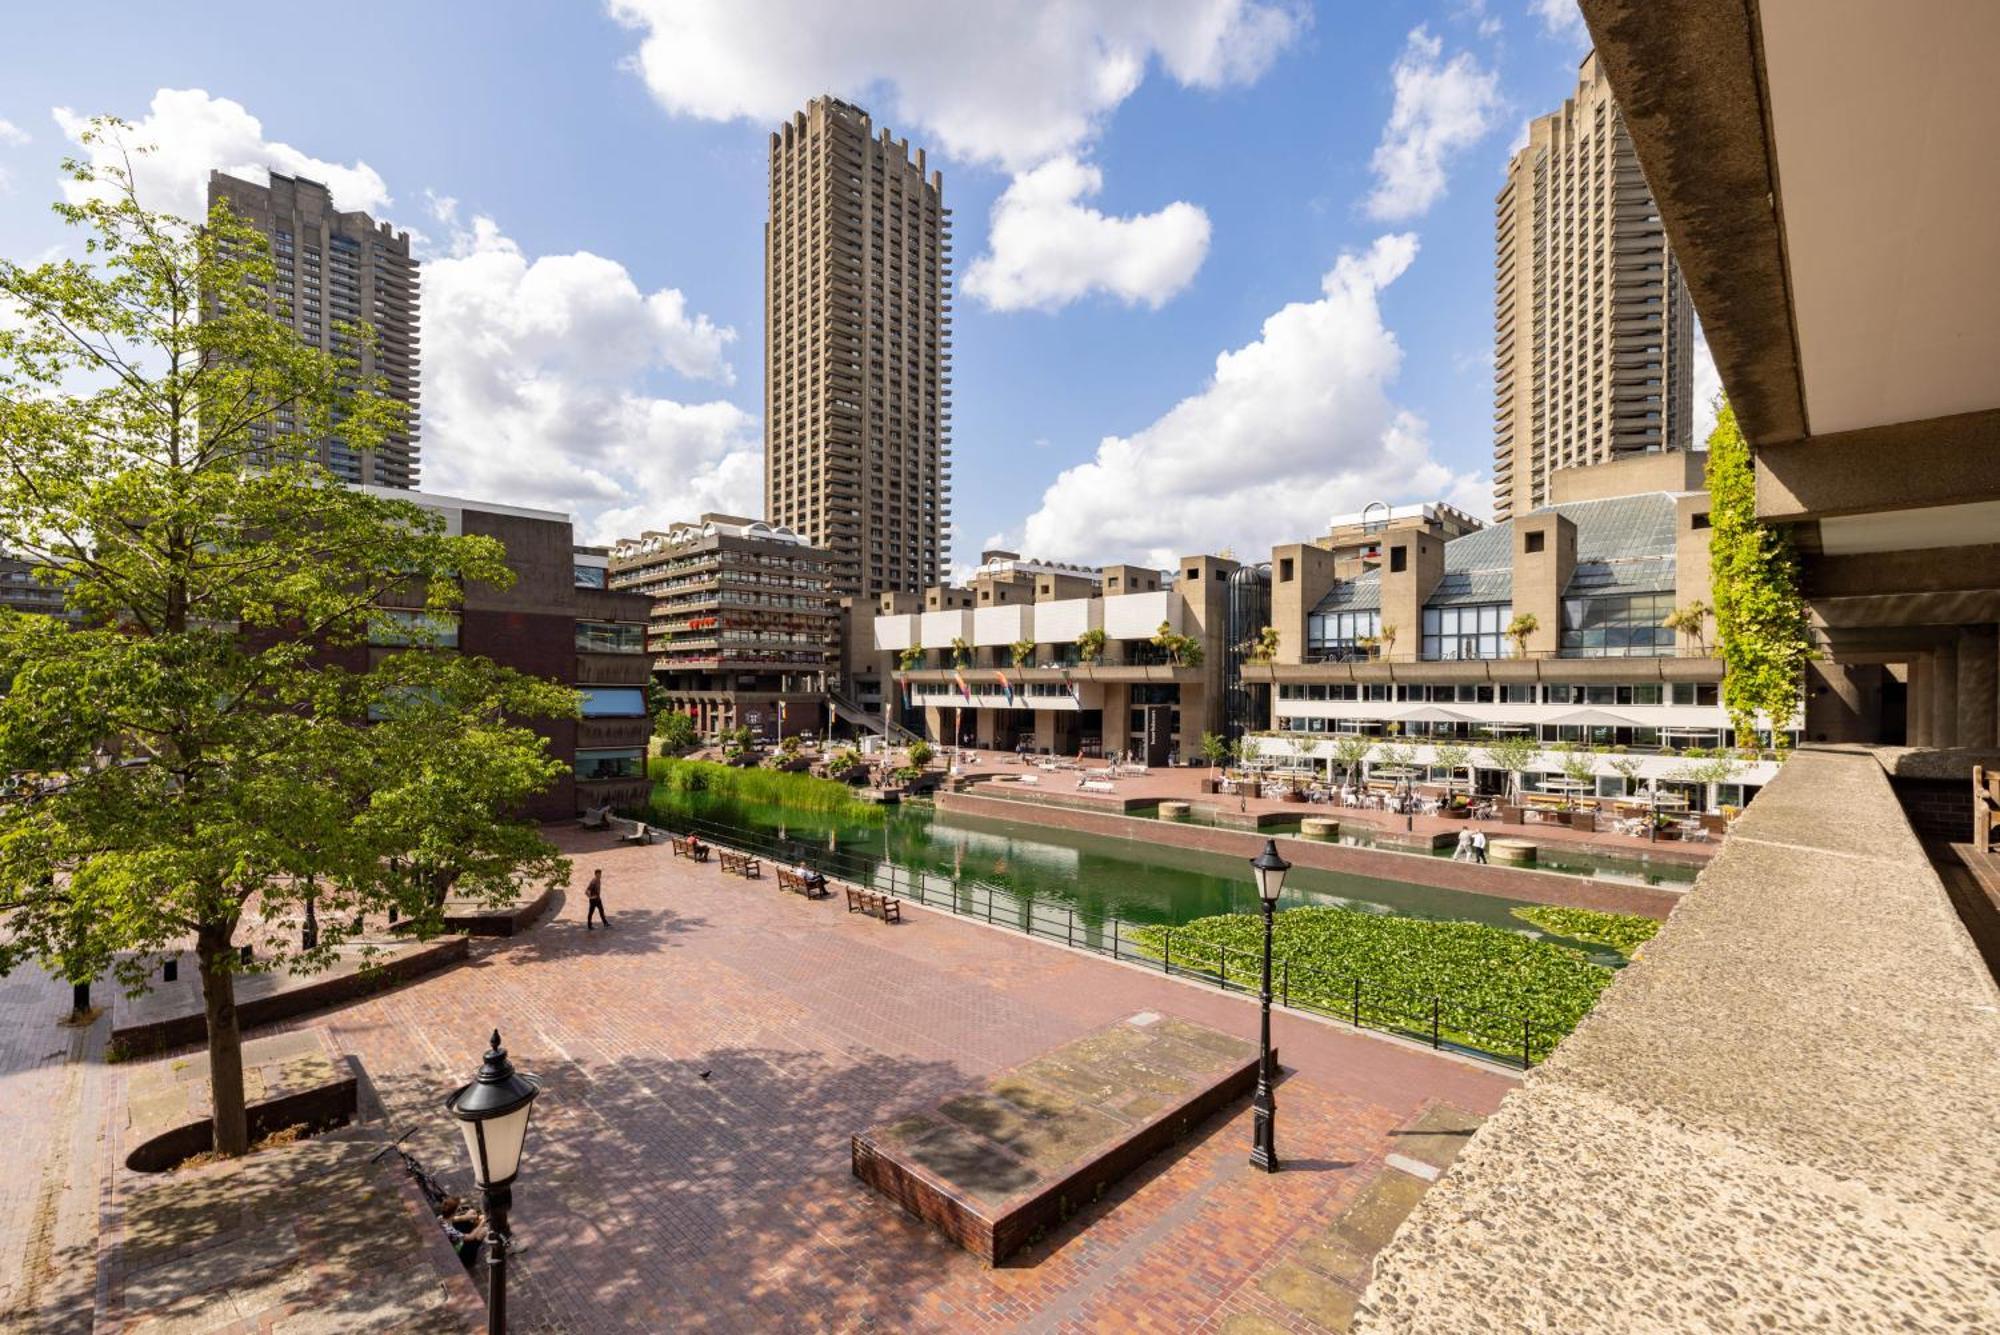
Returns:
(1778, 1117)
(319, 1109)
(189, 1028)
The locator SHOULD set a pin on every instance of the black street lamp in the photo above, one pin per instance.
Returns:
(493, 1112)
(1270, 869)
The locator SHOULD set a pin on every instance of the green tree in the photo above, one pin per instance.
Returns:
(1214, 749)
(1627, 768)
(1090, 646)
(676, 732)
(1579, 766)
(1452, 756)
(920, 753)
(1351, 751)
(1023, 652)
(1263, 648)
(1520, 628)
(1690, 620)
(910, 659)
(1513, 755)
(1181, 650)
(1760, 616)
(961, 651)
(158, 428)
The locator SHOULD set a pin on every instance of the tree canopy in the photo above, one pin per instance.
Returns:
(258, 710)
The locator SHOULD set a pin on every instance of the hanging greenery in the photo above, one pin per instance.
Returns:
(1760, 617)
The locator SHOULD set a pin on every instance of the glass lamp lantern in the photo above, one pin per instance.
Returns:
(493, 1113)
(1270, 868)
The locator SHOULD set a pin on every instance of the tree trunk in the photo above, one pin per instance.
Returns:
(225, 1041)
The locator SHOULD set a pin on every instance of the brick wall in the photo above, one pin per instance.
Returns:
(1937, 809)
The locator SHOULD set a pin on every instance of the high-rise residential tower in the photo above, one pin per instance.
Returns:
(1593, 328)
(333, 268)
(857, 360)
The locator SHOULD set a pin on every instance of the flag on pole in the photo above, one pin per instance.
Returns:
(1070, 685)
(964, 688)
(1006, 686)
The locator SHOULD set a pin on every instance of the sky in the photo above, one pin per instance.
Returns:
(1223, 268)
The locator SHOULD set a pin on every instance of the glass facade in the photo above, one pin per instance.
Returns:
(610, 637)
(1335, 634)
(1625, 625)
(590, 577)
(620, 764)
(389, 626)
(1476, 631)
(612, 701)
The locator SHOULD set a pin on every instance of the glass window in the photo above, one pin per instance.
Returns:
(391, 626)
(1336, 635)
(1617, 626)
(613, 701)
(611, 764)
(589, 577)
(610, 637)
(1454, 633)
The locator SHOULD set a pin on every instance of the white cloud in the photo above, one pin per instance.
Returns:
(1560, 18)
(535, 375)
(13, 135)
(192, 133)
(1441, 108)
(1707, 388)
(1293, 427)
(1049, 248)
(1009, 84)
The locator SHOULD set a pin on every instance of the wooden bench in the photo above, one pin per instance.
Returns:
(869, 901)
(742, 864)
(688, 848)
(812, 885)
(640, 833)
(1985, 808)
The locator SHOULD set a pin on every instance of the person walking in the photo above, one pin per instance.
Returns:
(1463, 853)
(1479, 846)
(594, 892)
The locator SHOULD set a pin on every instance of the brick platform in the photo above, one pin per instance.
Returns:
(994, 1167)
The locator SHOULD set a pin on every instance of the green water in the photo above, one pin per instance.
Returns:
(1130, 879)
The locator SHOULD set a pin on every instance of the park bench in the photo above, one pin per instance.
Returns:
(640, 833)
(868, 901)
(688, 848)
(741, 864)
(812, 885)
(1097, 785)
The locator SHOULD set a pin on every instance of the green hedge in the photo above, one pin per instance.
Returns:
(796, 792)
(1486, 980)
(1623, 932)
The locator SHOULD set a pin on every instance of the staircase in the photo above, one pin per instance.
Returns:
(846, 707)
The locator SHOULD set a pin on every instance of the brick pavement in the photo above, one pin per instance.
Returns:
(708, 1057)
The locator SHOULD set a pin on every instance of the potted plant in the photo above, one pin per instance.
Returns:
(1519, 629)
(1090, 647)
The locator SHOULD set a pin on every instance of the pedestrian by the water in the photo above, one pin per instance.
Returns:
(1479, 846)
(594, 892)
(1463, 853)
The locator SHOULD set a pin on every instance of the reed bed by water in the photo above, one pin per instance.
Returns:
(794, 792)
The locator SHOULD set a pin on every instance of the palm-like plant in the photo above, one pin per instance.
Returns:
(1090, 646)
(961, 651)
(1519, 629)
(1023, 652)
(1692, 621)
(911, 658)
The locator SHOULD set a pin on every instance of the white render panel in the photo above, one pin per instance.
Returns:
(1061, 621)
(895, 632)
(1003, 625)
(939, 629)
(1137, 616)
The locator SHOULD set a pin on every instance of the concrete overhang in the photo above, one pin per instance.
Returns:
(1826, 173)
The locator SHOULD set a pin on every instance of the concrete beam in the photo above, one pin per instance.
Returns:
(1904, 466)
(1690, 83)
(1930, 570)
(1967, 607)
(1978, 666)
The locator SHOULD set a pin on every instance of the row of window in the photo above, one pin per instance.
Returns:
(1523, 693)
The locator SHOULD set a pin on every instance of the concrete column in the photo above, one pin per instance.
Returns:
(982, 727)
(1917, 713)
(1045, 729)
(1944, 695)
(1977, 663)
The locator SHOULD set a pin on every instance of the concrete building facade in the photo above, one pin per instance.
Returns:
(958, 679)
(1593, 330)
(742, 620)
(336, 269)
(556, 621)
(1414, 648)
(857, 350)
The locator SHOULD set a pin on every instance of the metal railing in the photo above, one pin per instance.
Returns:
(1364, 1003)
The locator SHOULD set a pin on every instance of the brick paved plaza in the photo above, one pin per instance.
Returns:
(657, 1199)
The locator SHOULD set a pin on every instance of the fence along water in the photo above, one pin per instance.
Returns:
(1365, 1003)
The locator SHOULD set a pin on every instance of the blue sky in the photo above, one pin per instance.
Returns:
(589, 183)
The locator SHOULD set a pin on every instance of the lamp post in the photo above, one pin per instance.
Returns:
(493, 1112)
(1270, 869)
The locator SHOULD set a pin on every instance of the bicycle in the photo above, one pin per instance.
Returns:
(433, 1191)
